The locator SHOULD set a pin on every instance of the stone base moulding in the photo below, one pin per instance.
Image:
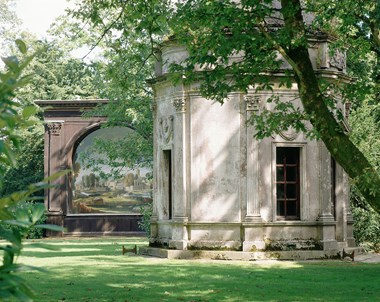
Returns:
(244, 256)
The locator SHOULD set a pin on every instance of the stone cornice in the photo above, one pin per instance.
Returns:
(70, 104)
(274, 75)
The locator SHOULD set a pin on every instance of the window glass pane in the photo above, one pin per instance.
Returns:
(280, 155)
(291, 173)
(280, 173)
(280, 208)
(280, 191)
(292, 155)
(291, 191)
(291, 208)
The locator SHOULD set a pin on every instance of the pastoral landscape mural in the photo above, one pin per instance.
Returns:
(101, 186)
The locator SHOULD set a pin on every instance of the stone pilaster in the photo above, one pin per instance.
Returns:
(253, 204)
(326, 219)
(154, 218)
(53, 131)
(325, 184)
(179, 231)
(253, 232)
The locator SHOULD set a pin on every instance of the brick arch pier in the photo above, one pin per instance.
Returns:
(64, 129)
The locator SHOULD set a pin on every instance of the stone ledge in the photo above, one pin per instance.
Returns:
(237, 255)
(106, 233)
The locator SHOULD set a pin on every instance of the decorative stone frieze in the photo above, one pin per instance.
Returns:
(179, 104)
(54, 128)
(165, 130)
(252, 102)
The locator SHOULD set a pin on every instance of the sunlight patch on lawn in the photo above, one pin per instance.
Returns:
(114, 285)
(61, 250)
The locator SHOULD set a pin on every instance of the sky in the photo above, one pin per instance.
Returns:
(37, 15)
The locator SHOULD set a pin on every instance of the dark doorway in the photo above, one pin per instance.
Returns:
(168, 179)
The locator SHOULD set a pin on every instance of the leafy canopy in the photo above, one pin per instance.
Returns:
(237, 46)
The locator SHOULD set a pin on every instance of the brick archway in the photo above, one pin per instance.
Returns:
(64, 128)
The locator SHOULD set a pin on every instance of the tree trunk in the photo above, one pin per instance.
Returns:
(337, 142)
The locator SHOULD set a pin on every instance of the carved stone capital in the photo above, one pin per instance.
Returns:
(252, 102)
(54, 128)
(179, 104)
(338, 60)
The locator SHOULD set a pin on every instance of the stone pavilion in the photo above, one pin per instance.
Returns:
(216, 187)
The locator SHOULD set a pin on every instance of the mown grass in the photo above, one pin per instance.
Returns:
(95, 270)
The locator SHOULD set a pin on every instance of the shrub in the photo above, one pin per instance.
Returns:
(367, 228)
(28, 207)
(146, 212)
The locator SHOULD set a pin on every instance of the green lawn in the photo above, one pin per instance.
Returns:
(96, 270)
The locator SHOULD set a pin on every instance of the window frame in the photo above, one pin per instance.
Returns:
(301, 178)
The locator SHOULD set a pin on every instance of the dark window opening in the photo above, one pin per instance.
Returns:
(168, 170)
(288, 182)
(333, 186)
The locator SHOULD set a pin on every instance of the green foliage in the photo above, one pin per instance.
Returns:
(367, 228)
(146, 212)
(29, 166)
(213, 31)
(15, 223)
(29, 207)
(10, 119)
(57, 75)
(10, 284)
(365, 132)
(17, 218)
(127, 61)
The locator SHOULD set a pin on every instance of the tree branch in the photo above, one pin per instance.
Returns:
(106, 30)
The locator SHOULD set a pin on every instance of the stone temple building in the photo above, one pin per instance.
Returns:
(216, 187)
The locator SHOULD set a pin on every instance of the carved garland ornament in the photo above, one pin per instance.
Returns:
(54, 128)
(289, 135)
(165, 130)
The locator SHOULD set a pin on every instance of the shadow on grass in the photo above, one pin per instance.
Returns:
(101, 275)
(79, 247)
